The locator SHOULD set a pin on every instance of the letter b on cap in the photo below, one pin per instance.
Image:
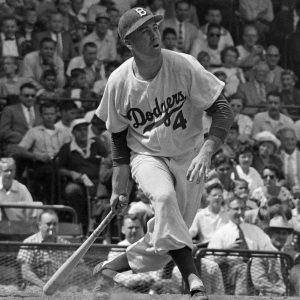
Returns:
(141, 11)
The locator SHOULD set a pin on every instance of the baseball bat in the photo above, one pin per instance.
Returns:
(62, 273)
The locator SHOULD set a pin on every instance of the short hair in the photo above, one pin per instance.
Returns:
(226, 49)
(75, 73)
(244, 148)
(182, 1)
(283, 130)
(48, 104)
(202, 54)
(274, 94)
(27, 85)
(221, 159)
(6, 18)
(213, 7)
(46, 40)
(213, 25)
(47, 73)
(234, 198)
(167, 31)
(7, 161)
(47, 211)
(133, 217)
(273, 168)
(238, 181)
(213, 184)
(89, 44)
(237, 96)
(290, 73)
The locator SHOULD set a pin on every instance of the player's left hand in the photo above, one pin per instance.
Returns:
(200, 166)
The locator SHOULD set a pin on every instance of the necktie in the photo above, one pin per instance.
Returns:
(31, 116)
(243, 244)
(262, 92)
(290, 172)
(59, 45)
(180, 37)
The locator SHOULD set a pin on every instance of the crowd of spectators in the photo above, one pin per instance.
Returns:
(56, 56)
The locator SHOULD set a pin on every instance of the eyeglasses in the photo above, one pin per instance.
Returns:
(51, 223)
(215, 34)
(29, 95)
(270, 176)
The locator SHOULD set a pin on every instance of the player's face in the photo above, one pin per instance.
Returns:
(132, 229)
(146, 40)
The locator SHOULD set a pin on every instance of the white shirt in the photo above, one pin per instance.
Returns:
(206, 223)
(9, 48)
(255, 237)
(253, 178)
(26, 114)
(293, 158)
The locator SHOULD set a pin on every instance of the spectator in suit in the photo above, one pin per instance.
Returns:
(186, 31)
(12, 191)
(89, 62)
(64, 43)
(272, 59)
(290, 95)
(211, 45)
(214, 16)
(40, 146)
(80, 162)
(103, 38)
(260, 13)
(11, 81)
(17, 119)
(266, 273)
(255, 91)
(272, 119)
(250, 51)
(35, 63)
(11, 40)
(290, 156)
(244, 122)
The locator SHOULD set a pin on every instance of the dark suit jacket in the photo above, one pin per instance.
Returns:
(13, 125)
(248, 92)
(68, 46)
(190, 32)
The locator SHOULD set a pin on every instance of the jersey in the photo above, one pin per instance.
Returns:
(164, 115)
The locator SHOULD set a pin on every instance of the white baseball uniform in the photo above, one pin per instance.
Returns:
(164, 121)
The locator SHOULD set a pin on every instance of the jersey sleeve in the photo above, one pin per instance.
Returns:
(109, 109)
(205, 88)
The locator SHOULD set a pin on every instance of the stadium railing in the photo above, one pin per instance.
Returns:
(227, 258)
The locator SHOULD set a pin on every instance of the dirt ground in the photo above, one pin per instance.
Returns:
(75, 295)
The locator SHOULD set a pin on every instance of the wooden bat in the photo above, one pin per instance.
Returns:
(62, 273)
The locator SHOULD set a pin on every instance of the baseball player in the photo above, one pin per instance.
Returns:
(153, 106)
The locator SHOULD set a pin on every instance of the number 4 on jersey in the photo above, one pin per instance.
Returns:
(180, 121)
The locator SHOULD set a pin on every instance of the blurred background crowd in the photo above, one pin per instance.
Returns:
(55, 58)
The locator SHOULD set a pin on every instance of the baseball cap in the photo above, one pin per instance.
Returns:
(78, 122)
(102, 15)
(134, 18)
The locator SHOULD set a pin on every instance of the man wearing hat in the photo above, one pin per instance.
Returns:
(266, 272)
(268, 146)
(153, 106)
(103, 38)
(79, 161)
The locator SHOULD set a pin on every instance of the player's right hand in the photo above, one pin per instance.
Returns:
(118, 203)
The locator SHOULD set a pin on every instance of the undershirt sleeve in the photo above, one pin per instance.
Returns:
(222, 117)
(119, 149)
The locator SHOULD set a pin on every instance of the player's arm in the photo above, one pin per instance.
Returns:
(121, 169)
(222, 119)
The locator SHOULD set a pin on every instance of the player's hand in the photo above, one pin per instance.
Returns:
(118, 204)
(200, 166)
